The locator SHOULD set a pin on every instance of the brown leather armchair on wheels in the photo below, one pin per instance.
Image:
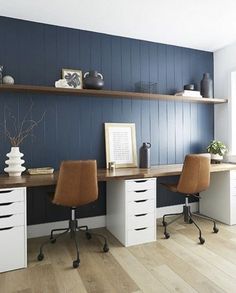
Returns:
(195, 178)
(76, 186)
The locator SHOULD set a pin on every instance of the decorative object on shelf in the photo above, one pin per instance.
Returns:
(93, 80)
(189, 93)
(207, 86)
(146, 87)
(189, 87)
(145, 155)
(16, 132)
(14, 162)
(1, 73)
(7, 79)
(73, 78)
(62, 83)
(41, 171)
(217, 149)
(120, 140)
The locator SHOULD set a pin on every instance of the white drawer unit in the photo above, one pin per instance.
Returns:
(219, 200)
(131, 210)
(13, 243)
(11, 195)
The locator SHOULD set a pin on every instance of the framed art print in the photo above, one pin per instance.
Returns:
(120, 139)
(73, 78)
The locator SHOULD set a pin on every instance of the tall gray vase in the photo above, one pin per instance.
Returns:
(207, 86)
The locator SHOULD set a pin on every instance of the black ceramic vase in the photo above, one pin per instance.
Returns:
(207, 86)
(93, 80)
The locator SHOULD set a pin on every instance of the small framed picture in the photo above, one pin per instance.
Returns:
(73, 78)
(120, 139)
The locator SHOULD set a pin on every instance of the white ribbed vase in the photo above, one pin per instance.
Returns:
(14, 162)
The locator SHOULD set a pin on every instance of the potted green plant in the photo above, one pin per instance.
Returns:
(217, 149)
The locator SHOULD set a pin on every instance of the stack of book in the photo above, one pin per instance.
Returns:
(188, 93)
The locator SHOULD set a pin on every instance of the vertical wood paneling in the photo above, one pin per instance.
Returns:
(73, 126)
(154, 105)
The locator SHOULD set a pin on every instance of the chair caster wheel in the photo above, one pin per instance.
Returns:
(215, 230)
(40, 257)
(190, 221)
(53, 241)
(88, 235)
(105, 247)
(76, 263)
(164, 223)
(202, 240)
(167, 235)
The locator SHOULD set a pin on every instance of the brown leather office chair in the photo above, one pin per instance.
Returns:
(195, 178)
(76, 186)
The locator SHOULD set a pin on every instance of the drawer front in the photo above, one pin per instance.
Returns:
(11, 195)
(140, 207)
(138, 236)
(141, 194)
(12, 249)
(12, 208)
(141, 221)
(12, 221)
(140, 184)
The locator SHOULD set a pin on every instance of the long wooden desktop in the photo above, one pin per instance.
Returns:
(106, 175)
(131, 206)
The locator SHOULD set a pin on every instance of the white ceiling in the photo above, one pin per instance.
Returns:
(201, 24)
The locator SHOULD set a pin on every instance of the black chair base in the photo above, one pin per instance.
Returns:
(72, 230)
(188, 218)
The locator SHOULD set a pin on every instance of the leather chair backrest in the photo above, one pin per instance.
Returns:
(195, 176)
(77, 183)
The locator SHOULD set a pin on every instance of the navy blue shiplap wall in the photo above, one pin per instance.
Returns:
(73, 126)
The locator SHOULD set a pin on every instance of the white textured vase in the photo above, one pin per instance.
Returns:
(14, 162)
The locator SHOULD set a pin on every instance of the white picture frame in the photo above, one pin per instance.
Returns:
(120, 140)
(73, 78)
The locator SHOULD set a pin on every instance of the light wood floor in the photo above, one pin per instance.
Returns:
(177, 264)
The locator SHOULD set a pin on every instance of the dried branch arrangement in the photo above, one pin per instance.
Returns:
(19, 130)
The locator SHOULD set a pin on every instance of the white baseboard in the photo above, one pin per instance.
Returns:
(40, 230)
(160, 212)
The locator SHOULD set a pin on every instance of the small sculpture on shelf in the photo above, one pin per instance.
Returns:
(7, 79)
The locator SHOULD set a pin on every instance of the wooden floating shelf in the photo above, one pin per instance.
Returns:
(104, 93)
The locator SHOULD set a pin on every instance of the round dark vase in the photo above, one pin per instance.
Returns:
(207, 86)
(93, 80)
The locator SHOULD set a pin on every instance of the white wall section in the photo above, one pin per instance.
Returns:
(224, 66)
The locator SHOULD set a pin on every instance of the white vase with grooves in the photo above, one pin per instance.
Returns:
(14, 162)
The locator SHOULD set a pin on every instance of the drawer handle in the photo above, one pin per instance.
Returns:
(139, 229)
(6, 204)
(6, 191)
(140, 200)
(7, 216)
(8, 228)
(140, 215)
(141, 181)
(144, 190)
